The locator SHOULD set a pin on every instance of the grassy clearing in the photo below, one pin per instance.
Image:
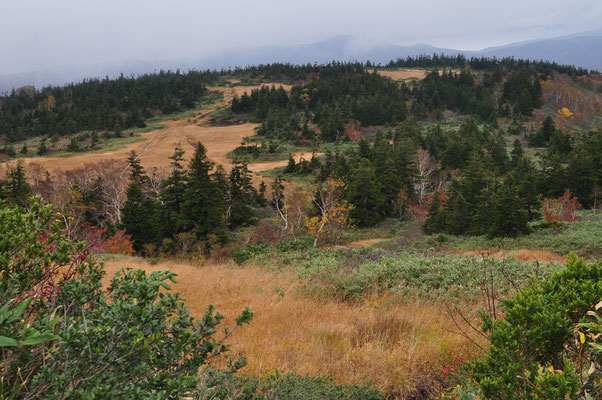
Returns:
(397, 347)
(206, 103)
(358, 275)
(103, 145)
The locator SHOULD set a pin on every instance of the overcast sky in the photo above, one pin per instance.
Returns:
(41, 34)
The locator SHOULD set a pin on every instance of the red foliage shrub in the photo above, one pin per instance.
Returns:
(120, 243)
(562, 209)
(265, 233)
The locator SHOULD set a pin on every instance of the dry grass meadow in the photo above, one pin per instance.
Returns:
(398, 347)
(401, 74)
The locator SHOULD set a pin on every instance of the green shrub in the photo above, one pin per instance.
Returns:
(64, 334)
(531, 348)
(273, 386)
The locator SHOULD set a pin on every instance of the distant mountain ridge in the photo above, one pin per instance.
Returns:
(582, 50)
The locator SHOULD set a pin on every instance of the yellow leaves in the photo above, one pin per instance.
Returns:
(581, 337)
(565, 113)
(304, 98)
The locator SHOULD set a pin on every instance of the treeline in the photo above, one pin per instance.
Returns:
(125, 102)
(107, 104)
(460, 61)
(460, 92)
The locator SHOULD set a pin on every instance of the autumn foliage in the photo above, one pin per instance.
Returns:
(561, 209)
(119, 243)
(333, 219)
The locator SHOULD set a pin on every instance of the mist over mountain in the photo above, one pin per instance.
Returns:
(582, 50)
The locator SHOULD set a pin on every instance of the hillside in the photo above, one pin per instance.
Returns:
(397, 233)
(582, 50)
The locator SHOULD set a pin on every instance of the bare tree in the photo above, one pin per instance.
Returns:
(334, 212)
(290, 204)
(426, 167)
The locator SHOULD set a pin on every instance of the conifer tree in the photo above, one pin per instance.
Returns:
(510, 217)
(172, 195)
(137, 173)
(138, 217)
(204, 207)
(291, 167)
(364, 193)
(42, 149)
(240, 197)
(436, 216)
(16, 188)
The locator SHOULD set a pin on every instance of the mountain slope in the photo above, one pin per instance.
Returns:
(582, 50)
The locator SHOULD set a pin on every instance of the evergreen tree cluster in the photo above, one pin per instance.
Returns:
(199, 199)
(14, 188)
(97, 104)
(460, 61)
(344, 93)
(378, 177)
(125, 102)
(482, 203)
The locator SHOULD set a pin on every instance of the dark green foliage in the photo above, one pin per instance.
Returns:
(132, 339)
(14, 187)
(524, 90)
(584, 169)
(73, 146)
(436, 216)
(139, 217)
(197, 201)
(291, 167)
(509, 214)
(42, 149)
(172, 195)
(535, 334)
(480, 203)
(227, 385)
(542, 137)
(241, 197)
(203, 204)
(364, 193)
(99, 104)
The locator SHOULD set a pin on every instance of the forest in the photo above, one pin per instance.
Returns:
(454, 213)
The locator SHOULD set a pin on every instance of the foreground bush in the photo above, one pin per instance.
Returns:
(225, 385)
(65, 335)
(534, 352)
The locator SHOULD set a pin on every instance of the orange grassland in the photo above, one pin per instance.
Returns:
(398, 347)
(401, 74)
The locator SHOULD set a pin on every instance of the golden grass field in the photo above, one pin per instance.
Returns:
(398, 347)
(400, 74)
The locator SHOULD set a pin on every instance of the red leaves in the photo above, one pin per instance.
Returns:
(450, 369)
(562, 209)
